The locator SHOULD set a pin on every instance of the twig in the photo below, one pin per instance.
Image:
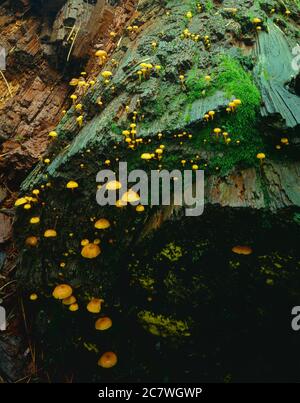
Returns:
(6, 82)
(32, 352)
(73, 42)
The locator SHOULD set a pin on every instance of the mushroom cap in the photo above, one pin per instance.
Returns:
(34, 220)
(130, 197)
(237, 101)
(50, 233)
(69, 301)
(242, 250)
(106, 74)
(101, 53)
(256, 20)
(72, 185)
(102, 223)
(62, 291)
(261, 156)
(94, 306)
(103, 323)
(20, 202)
(33, 297)
(74, 82)
(113, 185)
(84, 242)
(140, 208)
(90, 251)
(108, 360)
(53, 134)
(73, 307)
(31, 241)
(146, 156)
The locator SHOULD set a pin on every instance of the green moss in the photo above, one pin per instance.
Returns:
(196, 85)
(235, 82)
(147, 283)
(163, 326)
(172, 252)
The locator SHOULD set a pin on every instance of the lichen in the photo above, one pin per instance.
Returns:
(160, 325)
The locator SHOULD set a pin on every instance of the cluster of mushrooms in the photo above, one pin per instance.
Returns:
(91, 249)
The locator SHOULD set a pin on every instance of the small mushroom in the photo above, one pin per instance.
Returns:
(108, 360)
(34, 220)
(101, 55)
(72, 185)
(94, 306)
(146, 156)
(103, 323)
(74, 307)
(31, 241)
(242, 250)
(90, 251)
(52, 134)
(130, 197)
(102, 223)
(261, 157)
(69, 300)
(20, 202)
(50, 233)
(62, 291)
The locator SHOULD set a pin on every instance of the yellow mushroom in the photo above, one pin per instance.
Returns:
(102, 223)
(79, 120)
(34, 220)
(72, 185)
(20, 202)
(261, 157)
(31, 241)
(106, 74)
(146, 156)
(73, 97)
(108, 360)
(130, 197)
(103, 323)
(69, 300)
(50, 233)
(90, 251)
(62, 291)
(74, 307)
(52, 134)
(242, 250)
(101, 55)
(94, 306)
(256, 20)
